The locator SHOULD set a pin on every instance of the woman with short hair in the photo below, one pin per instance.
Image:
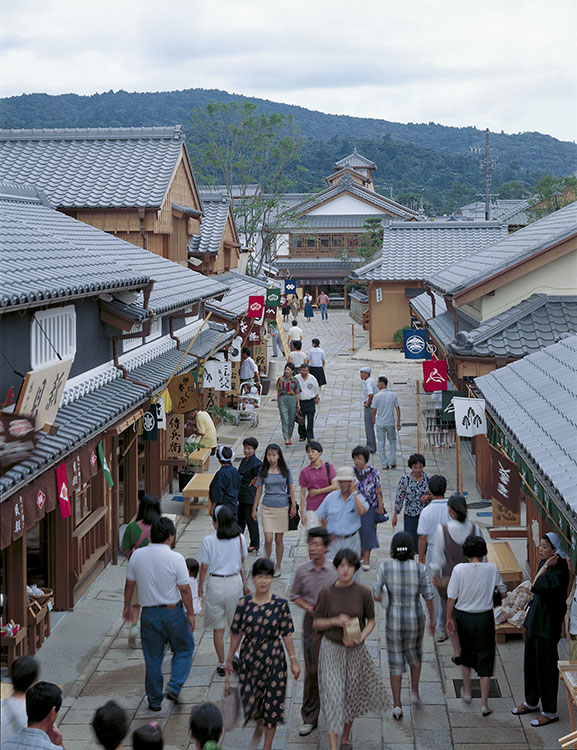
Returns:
(470, 603)
(278, 501)
(206, 726)
(221, 558)
(287, 390)
(262, 621)
(405, 581)
(369, 485)
(316, 360)
(349, 684)
(412, 496)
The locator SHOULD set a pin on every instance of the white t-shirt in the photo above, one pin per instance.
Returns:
(436, 512)
(248, 369)
(13, 716)
(472, 584)
(315, 356)
(158, 571)
(309, 387)
(223, 556)
(297, 358)
(295, 333)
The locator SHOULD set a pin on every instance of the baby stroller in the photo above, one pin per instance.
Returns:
(249, 400)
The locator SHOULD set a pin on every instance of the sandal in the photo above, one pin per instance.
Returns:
(523, 709)
(542, 720)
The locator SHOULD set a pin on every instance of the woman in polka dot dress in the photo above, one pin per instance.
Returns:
(260, 621)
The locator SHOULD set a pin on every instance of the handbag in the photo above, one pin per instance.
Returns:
(299, 419)
(381, 517)
(296, 519)
(230, 706)
(497, 598)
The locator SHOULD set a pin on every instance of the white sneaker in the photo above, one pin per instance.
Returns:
(306, 729)
(441, 636)
(366, 567)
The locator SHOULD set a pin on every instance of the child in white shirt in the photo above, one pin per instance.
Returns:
(193, 568)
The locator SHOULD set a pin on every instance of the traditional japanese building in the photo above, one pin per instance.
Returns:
(217, 247)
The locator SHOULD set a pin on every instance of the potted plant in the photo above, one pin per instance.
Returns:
(190, 468)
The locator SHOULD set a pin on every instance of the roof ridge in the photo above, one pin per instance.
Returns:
(70, 134)
(527, 306)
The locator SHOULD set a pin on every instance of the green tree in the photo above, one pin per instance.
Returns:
(249, 151)
(371, 239)
(551, 193)
(512, 190)
(458, 196)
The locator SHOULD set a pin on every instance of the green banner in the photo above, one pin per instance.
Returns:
(104, 464)
(272, 298)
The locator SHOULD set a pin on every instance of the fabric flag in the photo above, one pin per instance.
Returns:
(448, 408)
(104, 464)
(63, 492)
(290, 286)
(272, 297)
(415, 343)
(435, 375)
(150, 424)
(255, 306)
(470, 419)
(505, 481)
(270, 313)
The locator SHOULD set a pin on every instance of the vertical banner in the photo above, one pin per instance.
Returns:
(448, 407)
(290, 286)
(272, 297)
(149, 424)
(255, 306)
(505, 481)
(415, 343)
(216, 375)
(470, 418)
(259, 356)
(175, 436)
(104, 464)
(234, 377)
(62, 490)
(435, 375)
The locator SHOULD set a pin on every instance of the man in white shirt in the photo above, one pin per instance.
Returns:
(163, 589)
(297, 356)
(308, 399)
(369, 391)
(295, 334)
(248, 368)
(433, 514)
(383, 407)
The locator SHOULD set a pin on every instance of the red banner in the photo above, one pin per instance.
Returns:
(63, 491)
(255, 306)
(435, 375)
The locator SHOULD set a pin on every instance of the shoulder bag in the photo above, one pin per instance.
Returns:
(293, 523)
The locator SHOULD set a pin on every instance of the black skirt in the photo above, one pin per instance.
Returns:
(319, 374)
(476, 631)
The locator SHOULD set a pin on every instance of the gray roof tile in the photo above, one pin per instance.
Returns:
(318, 222)
(355, 160)
(369, 196)
(234, 303)
(57, 254)
(536, 399)
(510, 250)
(216, 207)
(93, 167)
(507, 211)
(413, 250)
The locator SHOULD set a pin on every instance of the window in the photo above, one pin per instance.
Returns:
(82, 503)
(379, 294)
(155, 330)
(53, 333)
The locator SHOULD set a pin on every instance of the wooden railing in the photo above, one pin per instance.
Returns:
(89, 542)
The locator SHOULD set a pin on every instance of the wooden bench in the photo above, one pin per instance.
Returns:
(501, 554)
(200, 457)
(195, 489)
(505, 629)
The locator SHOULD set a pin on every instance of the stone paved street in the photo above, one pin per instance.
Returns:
(109, 669)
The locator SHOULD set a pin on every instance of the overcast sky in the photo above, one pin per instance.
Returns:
(504, 64)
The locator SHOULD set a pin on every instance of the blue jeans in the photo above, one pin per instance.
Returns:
(383, 432)
(324, 313)
(159, 626)
(410, 524)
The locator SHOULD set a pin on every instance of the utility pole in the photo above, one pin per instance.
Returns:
(486, 165)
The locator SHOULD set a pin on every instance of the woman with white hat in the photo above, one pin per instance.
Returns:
(340, 512)
(543, 630)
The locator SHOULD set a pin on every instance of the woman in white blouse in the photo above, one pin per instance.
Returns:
(470, 602)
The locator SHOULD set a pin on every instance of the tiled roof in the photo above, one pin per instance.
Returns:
(524, 329)
(93, 167)
(216, 207)
(501, 210)
(234, 303)
(355, 160)
(52, 245)
(536, 399)
(510, 250)
(42, 261)
(413, 250)
(369, 196)
(236, 191)
(328, 263)
(318, 222)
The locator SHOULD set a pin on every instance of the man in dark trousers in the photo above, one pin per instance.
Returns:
(248, 470)
(223, 489)
(310, 579)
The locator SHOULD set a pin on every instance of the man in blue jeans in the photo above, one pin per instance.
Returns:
(323, 303)
(167, 611)
(383, 407)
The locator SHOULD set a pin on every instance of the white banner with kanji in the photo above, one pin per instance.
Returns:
(470, 419)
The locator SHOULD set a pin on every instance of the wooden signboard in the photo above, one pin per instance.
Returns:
(42, 391)
(502, 516)
(259, 355)
(235, 378)
(216, 375)
(183, 392)
(175, 436)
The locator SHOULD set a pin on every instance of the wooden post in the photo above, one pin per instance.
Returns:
(419, 417)
(15, 574)
(353, 336)
(458, 460)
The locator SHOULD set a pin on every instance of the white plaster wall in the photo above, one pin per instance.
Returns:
(282, 244)
(345, 204)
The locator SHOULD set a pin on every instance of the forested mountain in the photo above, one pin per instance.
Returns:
(429, 160)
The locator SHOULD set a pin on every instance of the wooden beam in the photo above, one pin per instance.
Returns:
(508, 533)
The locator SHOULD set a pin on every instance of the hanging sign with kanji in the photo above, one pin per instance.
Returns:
(255, 306)
(42, 391)
(435, 375)
(470, 419)
(63, 491)
(183, 392)
(505, 481)
(259, 356)
(290, 286)
(216, 375)
(250, 332)
(234, 349)
(17, 439)
(175, 436)
(272, 298)
(234, 377)
(415, 343)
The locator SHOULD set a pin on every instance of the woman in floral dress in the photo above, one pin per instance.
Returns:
(260, 621)
(412, 496)
(369, 483)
